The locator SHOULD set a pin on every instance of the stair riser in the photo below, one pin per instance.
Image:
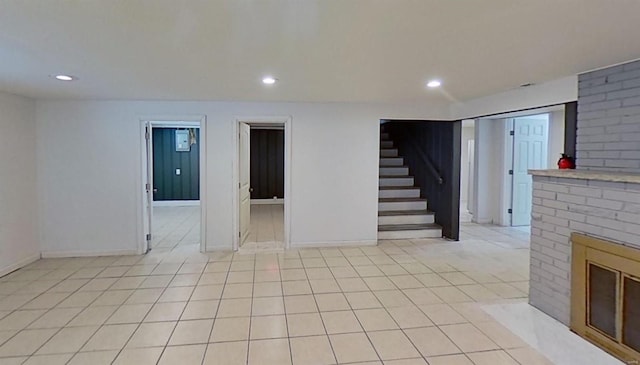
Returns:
(386, 144)
(405, 181)
(391, 152)
(384, 135)
(400, 193)
(395, 206)
(420, 233)
(406, 219)
(394, 171)
(397, 161)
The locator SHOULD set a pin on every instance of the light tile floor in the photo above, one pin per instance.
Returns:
(266, 230)
(403, 302)
(175, 225)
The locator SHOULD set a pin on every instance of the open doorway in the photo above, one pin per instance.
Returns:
(262, 183)
(505, 147)
(173, 185)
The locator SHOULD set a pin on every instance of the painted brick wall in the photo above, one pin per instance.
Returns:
(608, 135)
(561, 206)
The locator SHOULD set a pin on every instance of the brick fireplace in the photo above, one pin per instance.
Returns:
(601, 198)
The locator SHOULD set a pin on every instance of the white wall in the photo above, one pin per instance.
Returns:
(544, 94)
(89, 170)
(18, 218)
(491, 181)
(556, 138)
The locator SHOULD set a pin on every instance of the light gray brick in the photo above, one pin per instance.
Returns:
(543, 210)
(556, 222)
(554, 270)
(603, 203)
(556, 188)
(602, 105)
(631, 101)
(578, 217)
(629, 136)
(544, 194)
(554, 237)
(566, 249)
(585, 191)
(606, 184)
(575, 199)
(630, 84)
(600, 97)
(622, 94)
(623, 75)
(587, 146)
(603, 154)
(585, 228)
(554, 204)
(623, 196)
(622, 111)
(541, 257)
(605, 71)
(623, 146)
(631, 66)
(630, 119)
(553, 254)
(606, 223)
(629, 217)
(623, 237)
(630, 154)
(593, 211)
(623, 128)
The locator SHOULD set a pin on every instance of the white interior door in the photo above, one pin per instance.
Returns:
(529, 152)
(244, 186)
(148, 186)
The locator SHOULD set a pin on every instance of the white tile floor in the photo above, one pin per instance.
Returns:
(173, 226)
(402, 302)
(266, 231)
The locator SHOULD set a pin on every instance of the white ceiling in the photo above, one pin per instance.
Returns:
(321, 51)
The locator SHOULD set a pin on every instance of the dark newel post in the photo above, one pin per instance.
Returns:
(455, 180)
(570, 128)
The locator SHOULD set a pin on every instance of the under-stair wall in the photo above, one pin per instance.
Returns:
(440, 142)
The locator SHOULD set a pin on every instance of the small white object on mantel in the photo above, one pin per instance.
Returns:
(622, 177)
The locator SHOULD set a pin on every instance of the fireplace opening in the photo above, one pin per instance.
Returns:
(605, 295)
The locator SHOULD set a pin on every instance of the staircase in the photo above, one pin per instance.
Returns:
(402, 213)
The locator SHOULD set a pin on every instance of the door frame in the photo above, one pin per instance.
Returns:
(165, 120)
(280, 120)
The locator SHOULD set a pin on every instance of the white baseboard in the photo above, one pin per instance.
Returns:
(64, 254)
(19, 265)
(266, 201)
(331, 244)
(176, 203)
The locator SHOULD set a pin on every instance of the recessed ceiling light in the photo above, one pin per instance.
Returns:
(434, 83)
(268, 80)
(64, 78)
